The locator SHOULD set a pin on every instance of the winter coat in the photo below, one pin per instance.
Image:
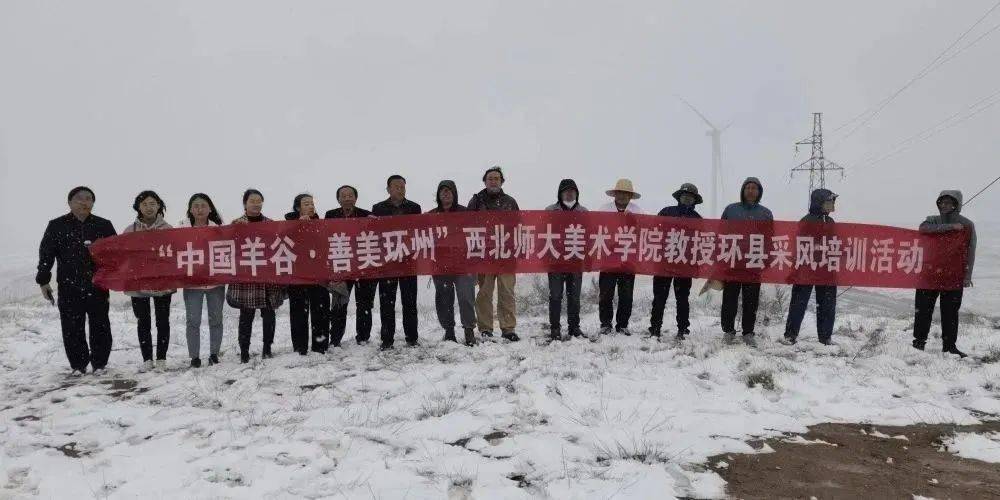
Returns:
(66, 241)
(565, 185)
(816, 213)
(138, 226)
(745, 210)
(939, 224)
(684, 211)
(338, 213)
(387, 208)
(455, 207)
(484, 200)
(186, 223)
(255, 295)
(295, 216)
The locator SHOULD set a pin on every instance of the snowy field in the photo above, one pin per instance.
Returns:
(625, 418)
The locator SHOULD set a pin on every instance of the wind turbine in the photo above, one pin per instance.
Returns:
(716, 134)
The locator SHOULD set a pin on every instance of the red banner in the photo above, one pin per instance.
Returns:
(319, 251)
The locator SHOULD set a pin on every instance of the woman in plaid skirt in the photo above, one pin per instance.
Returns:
(249, 297)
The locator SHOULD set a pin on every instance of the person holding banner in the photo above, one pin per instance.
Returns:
(462, 286)
(80, 302)
(249, 297)
(748, 209)
(608, 282)
(492, 198)
(308, 300)
(397, 204)
(949, 218)
(687, 197)
(202, 213)
(822, 204)
(567, 199)
(364, 290)
(149, 209)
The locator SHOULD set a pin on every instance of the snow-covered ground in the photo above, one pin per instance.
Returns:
(624, 418)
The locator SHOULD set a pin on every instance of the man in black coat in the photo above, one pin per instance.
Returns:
(687, 197)
(66, 241)
(397, 204)
(364, 290)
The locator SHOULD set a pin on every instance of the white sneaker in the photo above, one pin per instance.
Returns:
(99, 372)
(146, 366)
(76, 374)
(161, 364)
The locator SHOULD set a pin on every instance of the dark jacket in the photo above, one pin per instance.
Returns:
(338, 213)
(386, 208)
(686, 211)
(455, 207)
(484, 200)
(939, 224)
(745, 210)
(565, 185)
(816, 213)
(295, 216)
(66, 240)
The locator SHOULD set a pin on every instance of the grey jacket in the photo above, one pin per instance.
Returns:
(745, 210)
(940, 224)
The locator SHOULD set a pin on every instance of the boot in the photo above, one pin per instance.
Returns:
(470, 337)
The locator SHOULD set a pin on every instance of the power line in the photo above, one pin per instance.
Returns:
(933, 130)
(870, 113)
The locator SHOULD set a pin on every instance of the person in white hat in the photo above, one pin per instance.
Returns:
(624, 195)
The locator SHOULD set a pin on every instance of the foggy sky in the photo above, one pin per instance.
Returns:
(287, 97)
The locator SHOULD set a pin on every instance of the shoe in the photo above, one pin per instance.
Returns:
(918, 345)
(683, 331)
(729, 337)
(266, 353)
(303, 353)
(244, 357)
(359, 342)
(146, 365)
(653, 331)
(98, 372)
(412, 343)
(576, 332)
(623, 330)
(161, 364)
(788, 340)
(487, 335)
(195, 363)
(213, 359)
(826, 341)
(470, 337)
(679, 337)
(606, 330)
(385, 347)
(510, 336)
(954, 350)
(555, 335)
(595, 337)
(750, 339)
(449, 334)
(77, 373)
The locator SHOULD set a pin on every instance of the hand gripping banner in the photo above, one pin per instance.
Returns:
(320, 251)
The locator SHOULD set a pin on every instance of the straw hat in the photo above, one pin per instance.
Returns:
(624, 185)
